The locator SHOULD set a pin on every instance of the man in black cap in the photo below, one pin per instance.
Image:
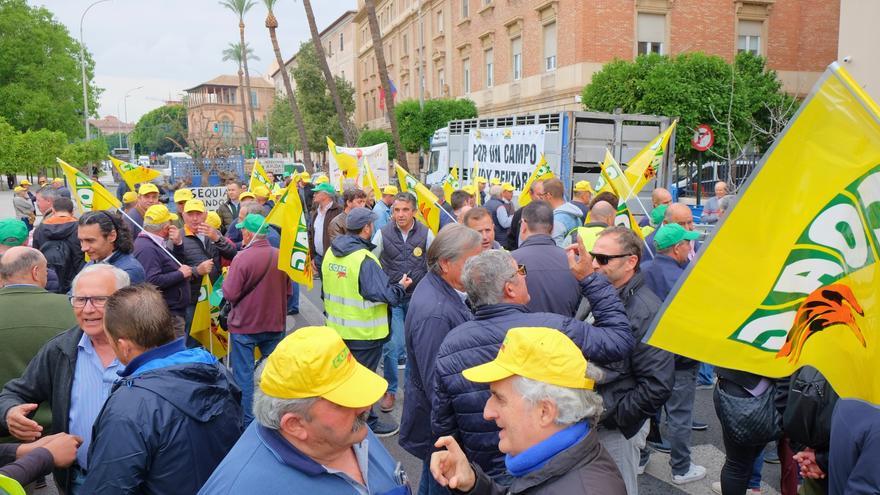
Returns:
(357, 293)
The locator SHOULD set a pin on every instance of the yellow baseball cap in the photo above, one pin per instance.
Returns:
(495, 181)
(213, 219)
(57, 179)
(470, 189)
(183, 195)
(18, 189)
(481, 180)
(25, 182)
(542, 354)
(583, 185)
(314, 362)
(194, 205)
(158, 214)
(322, 179)
(391, 190)
(129, 197)
(260, 191)
(147, 189)
(507, 186)
(245, 195)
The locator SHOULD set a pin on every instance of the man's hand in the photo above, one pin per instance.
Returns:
(22, 427)
(579, 261)
(405, 281)
(205, 267)
(63, 448)
(806, 459)
(209, 232)
(176, 235)
(186, 271)
(450, 467)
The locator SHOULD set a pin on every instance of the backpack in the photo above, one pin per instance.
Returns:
(61, 258)
(807, 417)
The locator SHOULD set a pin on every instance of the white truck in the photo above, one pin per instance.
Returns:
(573, 143)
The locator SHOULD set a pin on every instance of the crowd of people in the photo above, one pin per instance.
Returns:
(520, 333)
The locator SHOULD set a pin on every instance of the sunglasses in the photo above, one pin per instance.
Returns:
(604, 259)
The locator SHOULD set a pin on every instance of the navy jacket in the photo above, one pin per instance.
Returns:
(435, 309)
(163, 272)
(127, 263)
(373, 284)
(552, 287)
(661, 274)
(458, 403)
(167, 424)
(855, 449)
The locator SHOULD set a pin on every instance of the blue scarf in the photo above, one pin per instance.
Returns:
(536, 456)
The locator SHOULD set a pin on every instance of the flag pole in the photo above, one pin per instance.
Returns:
(446, 212)
(163, 248)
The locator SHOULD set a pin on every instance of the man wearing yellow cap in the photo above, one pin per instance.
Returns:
(382, 209)
(171, 277)
(24, 209)
(310, 433)
(544, 404)
(262, 195)
(60, 188)
(129, 198)
(583, 193)
(148, 195)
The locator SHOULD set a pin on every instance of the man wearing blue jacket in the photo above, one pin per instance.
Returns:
(174, 414)
(496, 286)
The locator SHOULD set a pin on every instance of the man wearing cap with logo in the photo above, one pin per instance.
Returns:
(543, 402)
(58, 185)
(678, 213)
(148, 195)
(24, 209)
(325, 208)
(583, 193)
(673, 246)
(163, 271)
(258, 292)
(357, 293)
(310, 434)
(501, 209)
(204, 250)
(181, 196)
(382, 209)
(262, 194)
(129, 198)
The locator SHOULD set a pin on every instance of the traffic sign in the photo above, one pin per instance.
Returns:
(703, 138)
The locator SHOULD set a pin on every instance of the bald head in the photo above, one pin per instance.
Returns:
(23, 265)
(603, 212)
(679, 213)
(661, 196)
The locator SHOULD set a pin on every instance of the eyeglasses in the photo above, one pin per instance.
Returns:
(604, 259)
(80, 302)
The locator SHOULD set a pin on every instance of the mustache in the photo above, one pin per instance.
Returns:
(360, 421)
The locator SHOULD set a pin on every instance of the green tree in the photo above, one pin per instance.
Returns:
(742, 101)
(369, 137)
(8, 136)
(161, 130)
(40, 81)
(417, 124)
(82, 153)
(35, 151)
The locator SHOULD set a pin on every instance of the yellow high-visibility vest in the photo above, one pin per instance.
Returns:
(352, 316)
(588, 235)
(9, 486)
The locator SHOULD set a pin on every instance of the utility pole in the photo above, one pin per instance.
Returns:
(82, 63)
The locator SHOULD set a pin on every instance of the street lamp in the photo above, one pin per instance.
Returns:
(125, 105)
(82, 62)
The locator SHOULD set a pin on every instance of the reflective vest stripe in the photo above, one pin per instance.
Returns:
(355, 323)
(360, 304)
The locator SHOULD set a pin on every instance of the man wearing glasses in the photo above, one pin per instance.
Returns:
(73, 372)
(676, 213)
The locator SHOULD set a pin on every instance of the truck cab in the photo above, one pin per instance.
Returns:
(438, 163)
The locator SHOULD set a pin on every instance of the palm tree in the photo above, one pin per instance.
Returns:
(240, 7)
(386, 82)
(272, 25)
(347, 130)
(236, 54)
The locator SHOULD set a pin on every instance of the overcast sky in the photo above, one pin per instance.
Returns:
(167, 46)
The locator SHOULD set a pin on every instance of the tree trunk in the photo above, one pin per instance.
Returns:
(272, 24)
(347, 130)
(379, 51)
(247, 77)
(247, 132)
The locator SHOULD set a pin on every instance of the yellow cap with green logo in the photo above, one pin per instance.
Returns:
(539, 353)
(314, 362)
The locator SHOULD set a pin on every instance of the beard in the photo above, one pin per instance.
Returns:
(360, 421)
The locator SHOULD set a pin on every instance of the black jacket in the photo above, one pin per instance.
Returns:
(552, 287)
(66, 233)
(195, 252)
(636, 387)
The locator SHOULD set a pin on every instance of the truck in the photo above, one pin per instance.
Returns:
(573, 143)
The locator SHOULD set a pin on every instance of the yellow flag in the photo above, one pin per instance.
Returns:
(474, 174)
(450, 184)
(371, 181)
(542, 172)
(294, 257)
(203, 329)
(88, 195)
(259, 177)
(613, 179)
(625, 218)
(791, 275)
(643, 167)
(133, 174)
(429, 212)
(347, 164)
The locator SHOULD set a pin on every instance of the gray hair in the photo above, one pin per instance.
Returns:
(269, 410)
(451, 244)
(122, 278)
(253, 208)
(153, 227)
(437, 189)
(495, 190)
(25, 261)
(48, 192)
(408, 197)
(573, 404)
(484, 276)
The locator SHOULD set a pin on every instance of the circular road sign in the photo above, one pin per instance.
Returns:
(703, 138)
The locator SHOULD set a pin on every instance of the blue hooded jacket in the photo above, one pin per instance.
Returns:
(167, 424)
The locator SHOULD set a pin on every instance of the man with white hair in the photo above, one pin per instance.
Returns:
(712, 210)
(310, 432)
(73, 372)
(544, 404)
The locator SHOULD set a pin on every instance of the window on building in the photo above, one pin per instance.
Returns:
(440, 21)
(343, 74)
(405, 46)
(341, 42)
(749, 39)
(330, 49)
(441, 80)
(255, 102)
(651, 33)
(465, 9)
(226, 127)
(516, 57)
(489, 58)
(466, 76)
(550, 46)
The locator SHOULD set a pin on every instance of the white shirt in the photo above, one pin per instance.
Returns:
(319, 228)
(377, 238)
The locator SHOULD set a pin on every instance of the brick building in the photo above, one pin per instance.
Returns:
(213, 109)
(517, 56)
